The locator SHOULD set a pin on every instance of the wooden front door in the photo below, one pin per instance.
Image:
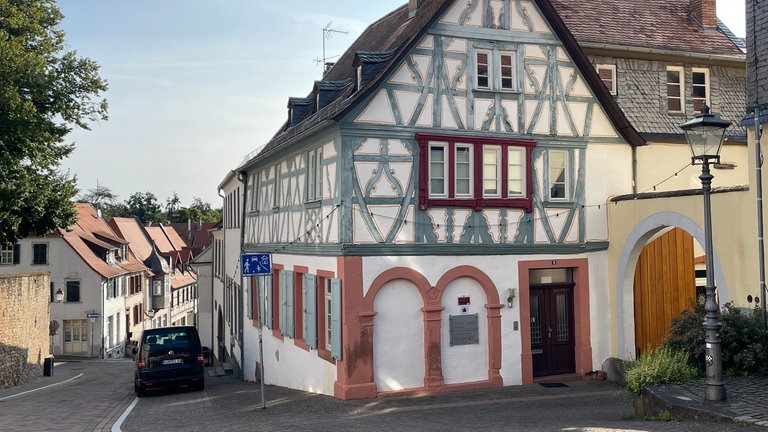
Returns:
(552, 332)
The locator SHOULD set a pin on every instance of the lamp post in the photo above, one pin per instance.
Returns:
(53, 326)
(705, 135)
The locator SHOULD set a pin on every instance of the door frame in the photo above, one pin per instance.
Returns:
(582, 333)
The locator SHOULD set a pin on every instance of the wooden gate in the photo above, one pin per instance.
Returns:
(665, 285)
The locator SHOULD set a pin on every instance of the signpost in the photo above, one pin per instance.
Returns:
(256, 264)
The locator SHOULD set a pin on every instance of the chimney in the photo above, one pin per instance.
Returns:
(703, 12)
(414, 5)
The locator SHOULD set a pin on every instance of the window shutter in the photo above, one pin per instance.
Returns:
(16, 253)
(282, 301)
(249, 295)
(289, 321)
(336, 318)
(267, 291)
(310, 310)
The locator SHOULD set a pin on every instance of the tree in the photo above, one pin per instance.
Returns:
(99, 196)
(145, 207)
(45, 91)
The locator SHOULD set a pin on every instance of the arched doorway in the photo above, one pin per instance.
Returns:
(665, 285)
(222, 351)
(644, 233)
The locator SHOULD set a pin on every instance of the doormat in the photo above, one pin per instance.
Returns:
(553, 385)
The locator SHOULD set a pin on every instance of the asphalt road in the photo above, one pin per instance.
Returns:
(98, 396)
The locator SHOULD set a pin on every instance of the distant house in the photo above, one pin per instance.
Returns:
(102, 282)
(436, 208)
(173, 294)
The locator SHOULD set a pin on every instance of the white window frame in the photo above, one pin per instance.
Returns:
(681, 84)
(434, 176)
(611, 68)
(513, 71)
(521, 166)
(470, 162)
(328, 328)
(315, 174)
(694, 86)
(276, 188)
(566, 176)
(488, 75)
(495, 168)
(495, 75)
(6, 254)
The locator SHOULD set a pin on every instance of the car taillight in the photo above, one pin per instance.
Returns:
(200, 357)
(141, 364)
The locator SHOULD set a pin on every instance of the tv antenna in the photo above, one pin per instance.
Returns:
(328, 32)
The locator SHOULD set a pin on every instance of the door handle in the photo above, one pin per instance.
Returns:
(549, 331)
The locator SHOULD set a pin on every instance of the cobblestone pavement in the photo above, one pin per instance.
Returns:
(747, 400)
(94, 395)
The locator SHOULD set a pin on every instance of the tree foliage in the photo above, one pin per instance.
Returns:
(146, 207)
(45, 91)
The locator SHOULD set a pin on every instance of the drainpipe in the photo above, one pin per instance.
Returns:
(759, 190)
(634, 170)
(214, 341)
(242, 176)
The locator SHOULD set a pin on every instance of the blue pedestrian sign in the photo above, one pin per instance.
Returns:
(257, 263)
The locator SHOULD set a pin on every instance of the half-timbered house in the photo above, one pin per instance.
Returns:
(435, 209)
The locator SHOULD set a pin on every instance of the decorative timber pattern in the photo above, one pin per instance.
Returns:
(370, 164)
(435, 87)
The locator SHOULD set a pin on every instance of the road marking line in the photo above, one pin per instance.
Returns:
(34, 390)
(119, 422)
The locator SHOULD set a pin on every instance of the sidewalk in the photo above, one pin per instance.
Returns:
(60, 375)
(747, 401)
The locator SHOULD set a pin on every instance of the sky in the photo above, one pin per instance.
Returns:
(195, 86)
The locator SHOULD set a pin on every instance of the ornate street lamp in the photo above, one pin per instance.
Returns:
(705, 135)
(59, 295)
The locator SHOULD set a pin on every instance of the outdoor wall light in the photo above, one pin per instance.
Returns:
(511, 293)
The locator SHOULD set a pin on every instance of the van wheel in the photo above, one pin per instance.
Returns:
(140, 391)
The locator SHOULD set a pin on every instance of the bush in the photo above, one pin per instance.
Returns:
(661, 366)
(744, 339)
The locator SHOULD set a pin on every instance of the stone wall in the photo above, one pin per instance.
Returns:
(24, 340)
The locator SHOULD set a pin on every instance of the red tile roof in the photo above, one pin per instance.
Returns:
(91, 237)
(132, 231)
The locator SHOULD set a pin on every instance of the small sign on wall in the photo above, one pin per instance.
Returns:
(464, 329)
(463, 300)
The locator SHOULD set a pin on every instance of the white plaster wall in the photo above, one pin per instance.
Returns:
(284, 363)
(464, 363)
(398, 337)
(503, 272)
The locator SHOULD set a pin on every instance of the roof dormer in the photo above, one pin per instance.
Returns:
(368, 64)
(298, 108)
(327, 91)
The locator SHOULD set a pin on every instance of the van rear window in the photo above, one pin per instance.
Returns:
(167, 339)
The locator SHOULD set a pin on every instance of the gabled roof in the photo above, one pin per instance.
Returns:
(91, 238)
(398, 32)
(656, 24)
(131, 230)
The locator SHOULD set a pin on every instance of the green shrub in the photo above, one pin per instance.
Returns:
(661, 366)
(744, 339)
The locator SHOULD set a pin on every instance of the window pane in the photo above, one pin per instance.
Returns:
(437, 187)
(699, 91)
(557, 174)
(482, 70)
(673, 76)
(673, 90)
(491, 171)
(437, 170)
(699, 78)
(463, 171)
(674, 105)
(515, 172)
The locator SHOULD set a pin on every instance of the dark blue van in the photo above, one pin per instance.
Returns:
(169, 357)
